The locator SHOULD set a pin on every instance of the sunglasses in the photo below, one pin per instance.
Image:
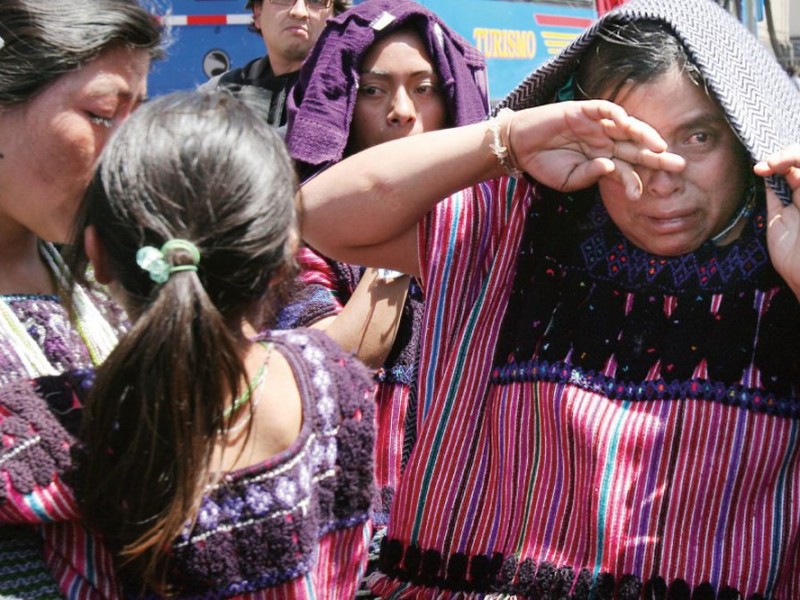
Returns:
(315, 4)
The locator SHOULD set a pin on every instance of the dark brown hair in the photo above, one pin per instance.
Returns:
(202, 167)
(45, 40)
(630, 53)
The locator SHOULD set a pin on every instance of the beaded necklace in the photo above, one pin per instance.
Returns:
(97, 334)
(745, 212)
(249, 393)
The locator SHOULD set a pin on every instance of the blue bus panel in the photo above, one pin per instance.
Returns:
(207, 38)
(515, 37)
(210, 36)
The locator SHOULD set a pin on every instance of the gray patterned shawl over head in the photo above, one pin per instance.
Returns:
(761, 104)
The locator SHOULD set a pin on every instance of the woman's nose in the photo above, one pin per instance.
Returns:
(403, 110)
(659, 183)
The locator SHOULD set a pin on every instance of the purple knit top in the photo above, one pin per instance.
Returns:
(261, 526)
(296, 521)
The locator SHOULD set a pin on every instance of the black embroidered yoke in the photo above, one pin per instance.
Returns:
(589, 306)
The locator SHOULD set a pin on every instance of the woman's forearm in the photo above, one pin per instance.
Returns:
(368, 324)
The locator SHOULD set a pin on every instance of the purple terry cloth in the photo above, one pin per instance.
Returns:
(322, 102)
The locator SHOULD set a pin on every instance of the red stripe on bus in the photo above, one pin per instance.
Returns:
(207, 20)
(556, 21)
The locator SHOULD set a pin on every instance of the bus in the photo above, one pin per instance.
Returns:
(515, 36)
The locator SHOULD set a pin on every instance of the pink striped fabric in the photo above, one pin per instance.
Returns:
(533, 473)
(79, 562)
(391, 403)
(315, 270)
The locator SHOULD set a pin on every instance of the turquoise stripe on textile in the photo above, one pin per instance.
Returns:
(91, 574)
(443, 422)
(602, 507)
(777, 526)
(475, 313)
(437, 329)
(35, 504)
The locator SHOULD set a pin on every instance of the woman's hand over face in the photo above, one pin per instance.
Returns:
(783, 229)
(570, 145)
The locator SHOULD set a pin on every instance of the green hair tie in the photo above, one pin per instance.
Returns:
(154, 261)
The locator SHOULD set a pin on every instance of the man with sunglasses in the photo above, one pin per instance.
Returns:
(290, 29)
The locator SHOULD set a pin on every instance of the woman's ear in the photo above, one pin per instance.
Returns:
(97, 256)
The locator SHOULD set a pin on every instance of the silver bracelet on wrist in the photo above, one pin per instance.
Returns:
(389, 275)
(497, 147)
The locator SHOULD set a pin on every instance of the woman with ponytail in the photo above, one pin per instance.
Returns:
(215, 459)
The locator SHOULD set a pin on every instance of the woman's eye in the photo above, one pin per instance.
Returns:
(700, 137)
(369, 90)
(427, 89)
(103, 121)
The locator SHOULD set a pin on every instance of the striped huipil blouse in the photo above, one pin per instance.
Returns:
(595, 421)
(321, 109)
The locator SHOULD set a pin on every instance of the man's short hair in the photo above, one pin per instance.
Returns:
(339, 6)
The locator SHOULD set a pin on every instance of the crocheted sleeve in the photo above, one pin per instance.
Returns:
(345, 403)
(355, 392)
(35, 449)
